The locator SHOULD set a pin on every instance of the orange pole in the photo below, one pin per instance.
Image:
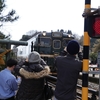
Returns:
(86, 43)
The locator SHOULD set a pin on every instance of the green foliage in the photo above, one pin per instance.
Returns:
(25, 38)
(2, 5)
(95, 45)
(9, 17)
(93, 56)
(2, 36)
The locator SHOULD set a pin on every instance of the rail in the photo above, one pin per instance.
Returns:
(93, 94)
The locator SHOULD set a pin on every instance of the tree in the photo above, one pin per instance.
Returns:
(96, 46)
(81, 40)
(9, 17)
(25, 38)
(93, 57)
(2, 36)
(77, 37)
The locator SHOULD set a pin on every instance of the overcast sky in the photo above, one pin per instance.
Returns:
(46, 15)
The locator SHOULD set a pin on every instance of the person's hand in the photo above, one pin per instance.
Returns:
(26, 60)
(80, 50)
(65, 49)
(18, 77)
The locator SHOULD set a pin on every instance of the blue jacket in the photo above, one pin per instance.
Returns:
(8, 84)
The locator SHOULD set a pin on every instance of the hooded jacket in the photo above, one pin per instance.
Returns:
(32, 84)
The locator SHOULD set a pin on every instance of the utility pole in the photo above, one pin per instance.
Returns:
(86, 43)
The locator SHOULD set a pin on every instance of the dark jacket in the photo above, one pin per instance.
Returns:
(80, 54)
(32, 84)
(63, 53)
(68, 69)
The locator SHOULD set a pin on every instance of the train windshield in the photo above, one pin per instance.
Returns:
(45, 42)
(56, 44)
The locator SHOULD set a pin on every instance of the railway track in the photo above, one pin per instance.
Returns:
(93, 86)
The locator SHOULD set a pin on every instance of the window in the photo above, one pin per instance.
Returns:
(46, 42)
(21, 51)
(57, 44)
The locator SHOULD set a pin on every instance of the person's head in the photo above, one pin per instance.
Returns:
(73, 47)
(11, 63)
(34, 57)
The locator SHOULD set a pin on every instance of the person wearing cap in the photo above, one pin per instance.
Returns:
(32, 75)
(79, 55)
(68, 68)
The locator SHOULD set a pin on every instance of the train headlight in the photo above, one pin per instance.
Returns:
(44, 33)
(69, 35)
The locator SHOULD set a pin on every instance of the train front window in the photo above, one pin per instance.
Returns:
(45, 42)
(56, 44)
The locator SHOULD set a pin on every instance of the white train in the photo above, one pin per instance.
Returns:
(23, 51)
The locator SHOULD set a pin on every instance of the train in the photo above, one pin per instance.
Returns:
(48, 44)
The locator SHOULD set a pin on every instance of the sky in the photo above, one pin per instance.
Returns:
(46, 15)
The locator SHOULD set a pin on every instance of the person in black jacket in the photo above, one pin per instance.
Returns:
(79, 55)
(32, 78)
(68, 68)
